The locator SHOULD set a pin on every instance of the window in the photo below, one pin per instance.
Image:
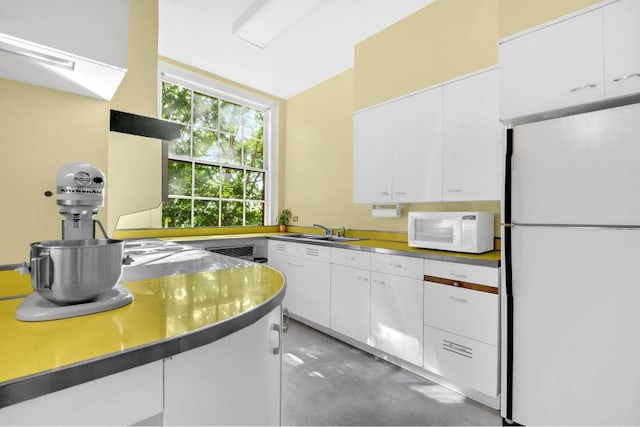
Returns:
(216, 171)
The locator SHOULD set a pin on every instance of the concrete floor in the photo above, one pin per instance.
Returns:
(327, 382)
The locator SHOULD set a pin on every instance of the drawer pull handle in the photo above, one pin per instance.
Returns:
(395, 265)
(380, 282)
(349, 258)
(384, 193)
(458, 299)
(363, 279)
(589, 86)
(628, 76)
(461, 276)
(455, 190)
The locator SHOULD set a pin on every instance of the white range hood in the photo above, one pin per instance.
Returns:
(70, 45)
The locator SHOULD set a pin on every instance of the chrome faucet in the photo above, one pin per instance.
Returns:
(327, 231)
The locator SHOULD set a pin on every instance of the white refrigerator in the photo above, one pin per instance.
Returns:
(571, 271)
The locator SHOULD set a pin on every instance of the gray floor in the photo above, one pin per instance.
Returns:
(327, 382)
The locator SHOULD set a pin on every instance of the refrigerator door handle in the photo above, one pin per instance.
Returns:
(508, 170)
(508, 276)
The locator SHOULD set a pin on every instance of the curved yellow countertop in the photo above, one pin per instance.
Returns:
(169, 315)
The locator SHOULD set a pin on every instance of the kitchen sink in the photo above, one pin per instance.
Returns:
(323, 237)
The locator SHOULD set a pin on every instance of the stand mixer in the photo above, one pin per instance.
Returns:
(79, 274)
(80, 192)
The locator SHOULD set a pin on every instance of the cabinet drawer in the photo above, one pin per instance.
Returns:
(277, 246)
(466, 312)
(489, 276)
(351, 258)
(465, 362)
(397, 265)
(313, 252)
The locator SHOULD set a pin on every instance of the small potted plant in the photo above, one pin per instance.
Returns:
(283, 219)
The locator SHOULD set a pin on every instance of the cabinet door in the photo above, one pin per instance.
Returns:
(124, 398)
(554, 67)
(372, 136)
(396, 316)
(286, 265)
(417, 147)
(472, 139)
(621, 48)
(233, 381)
(312, 296)
(350, 302)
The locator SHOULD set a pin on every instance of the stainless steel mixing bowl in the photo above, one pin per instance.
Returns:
(74, 271)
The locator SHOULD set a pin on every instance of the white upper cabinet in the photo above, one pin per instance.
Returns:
(397, 150)
(586, 61)
(75, 46)
(417, 149)
(621, 48)
(551, 68)
(372, 144)
(472, 139)
(442, 143)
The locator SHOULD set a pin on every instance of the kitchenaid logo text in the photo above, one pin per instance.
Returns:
(79, 190)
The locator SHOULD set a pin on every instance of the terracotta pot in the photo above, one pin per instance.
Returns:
(283, 228)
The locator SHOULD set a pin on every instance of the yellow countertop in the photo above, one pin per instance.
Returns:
(163, 308)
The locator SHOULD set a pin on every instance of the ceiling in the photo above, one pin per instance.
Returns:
(318, 46)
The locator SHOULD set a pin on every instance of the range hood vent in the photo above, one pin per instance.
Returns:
(134, 124)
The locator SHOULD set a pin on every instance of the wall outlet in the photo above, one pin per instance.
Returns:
(295, 219)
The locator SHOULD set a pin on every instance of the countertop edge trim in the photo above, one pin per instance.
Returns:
(25, 388)
(354, 246)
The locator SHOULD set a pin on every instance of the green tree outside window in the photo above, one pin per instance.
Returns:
(216, 169)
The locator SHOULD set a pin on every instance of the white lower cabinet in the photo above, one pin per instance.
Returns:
(233, 381)
(461, 327)
(351, 293)
(307, 272)
(396, 308)
(124, 398)
(463, 361)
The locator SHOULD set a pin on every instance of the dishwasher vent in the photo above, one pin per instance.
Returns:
(242, 252)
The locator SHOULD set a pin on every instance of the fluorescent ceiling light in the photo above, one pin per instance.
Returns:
(264, 20)
(33, 52)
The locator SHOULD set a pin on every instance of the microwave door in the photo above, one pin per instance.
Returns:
(437, 233)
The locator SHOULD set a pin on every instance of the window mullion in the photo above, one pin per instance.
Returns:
(193, 164)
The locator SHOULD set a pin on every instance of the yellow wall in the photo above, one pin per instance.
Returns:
(518, 15)
(444, 40)
(41, 130)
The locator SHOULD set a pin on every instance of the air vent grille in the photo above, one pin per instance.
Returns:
(243, 252)
(457, 348)
(312, 251)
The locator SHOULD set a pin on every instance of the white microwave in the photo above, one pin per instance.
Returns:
(470, 232)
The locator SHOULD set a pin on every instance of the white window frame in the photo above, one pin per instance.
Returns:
(208, 86)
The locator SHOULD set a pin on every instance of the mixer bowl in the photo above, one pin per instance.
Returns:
(74, 271)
